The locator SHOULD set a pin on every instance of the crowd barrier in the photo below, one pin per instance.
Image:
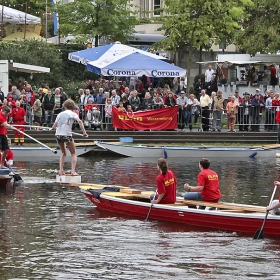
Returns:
(202, 119)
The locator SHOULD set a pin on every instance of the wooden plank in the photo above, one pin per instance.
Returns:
(270, 146)
(82, 144)
(92, 186)
(222, 205)
(134, 191)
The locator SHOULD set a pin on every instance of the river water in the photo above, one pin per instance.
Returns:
(50, 231)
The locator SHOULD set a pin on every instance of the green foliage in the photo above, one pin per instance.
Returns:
(196, 24)
(63, 72)
(93, 19)
(261, 28)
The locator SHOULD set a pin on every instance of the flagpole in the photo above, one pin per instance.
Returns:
(2, 20)
(46, 20)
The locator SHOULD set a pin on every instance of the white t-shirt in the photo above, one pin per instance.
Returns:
(208, 75)
(65, 121)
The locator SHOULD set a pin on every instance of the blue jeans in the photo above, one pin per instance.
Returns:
(194, 196)
(49, 116)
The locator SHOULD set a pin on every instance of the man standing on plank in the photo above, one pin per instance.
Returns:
(63, 125)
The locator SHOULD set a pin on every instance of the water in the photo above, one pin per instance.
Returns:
(50, 231)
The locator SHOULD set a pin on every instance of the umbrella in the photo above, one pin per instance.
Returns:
(108, 52)
(135, 64)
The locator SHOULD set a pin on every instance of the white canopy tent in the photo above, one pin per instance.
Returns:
(7, 65)
(17, 17)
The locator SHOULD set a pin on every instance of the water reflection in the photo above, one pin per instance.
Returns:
(50, 231)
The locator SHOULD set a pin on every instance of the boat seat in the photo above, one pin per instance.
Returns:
(222, 205)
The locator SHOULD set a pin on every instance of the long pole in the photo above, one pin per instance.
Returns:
(2, 20)
(46, 20)
(25, 19)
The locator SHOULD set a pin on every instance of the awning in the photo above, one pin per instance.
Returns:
(27, 68)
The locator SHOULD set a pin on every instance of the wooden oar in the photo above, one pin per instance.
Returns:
(259, 233)
(147, 218)
(53, 150)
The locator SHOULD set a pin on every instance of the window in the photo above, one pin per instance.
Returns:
(157, 6)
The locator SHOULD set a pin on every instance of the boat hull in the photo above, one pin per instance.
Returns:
(42, 152)
(184, 152)
(219, 220)
(5, 178)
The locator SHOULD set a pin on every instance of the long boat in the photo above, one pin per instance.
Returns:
(149, 151)
(5, 177)
(43, 152)
(226, 216)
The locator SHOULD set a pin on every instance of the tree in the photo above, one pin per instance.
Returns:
(63, 72)
(261, 28)
(88, 19)
(196, 24)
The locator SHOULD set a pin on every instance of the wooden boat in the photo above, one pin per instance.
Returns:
(146, 151)
(43, 152)
(227, 216)
(5, 177)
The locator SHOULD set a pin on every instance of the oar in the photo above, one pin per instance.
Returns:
(16, 176)
(259, 233)
(147, 218)
(53, 150)
(32, 126)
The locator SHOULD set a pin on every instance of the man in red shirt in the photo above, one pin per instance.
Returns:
(207, 188)
(3, 133)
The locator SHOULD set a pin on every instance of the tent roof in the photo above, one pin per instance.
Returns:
(27, 68)
(14, 16)
(106, 52)
(135, 64)
(233, 62)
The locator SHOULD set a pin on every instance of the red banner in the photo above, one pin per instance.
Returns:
(158, 119)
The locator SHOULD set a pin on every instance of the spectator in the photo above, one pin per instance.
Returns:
(85, 96)
(18, 117)
(108, 114)
(49, 105)
(198, 86)
(209, 74)
(232, 110)
(15, 93)
(205, 103)
(30, 99)
(134, 101)
(115, 99)
(170, 100)
(211, 86)
(258, 106)
(158, 101)
(246, 108)
(147, 102)
(38, 112)
(218, 110)
(2, 95)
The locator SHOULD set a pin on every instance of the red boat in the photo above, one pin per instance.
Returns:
(225, 216)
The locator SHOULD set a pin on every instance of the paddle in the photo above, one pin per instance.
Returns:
(16, 176)
(259, 233)
(53, 150)
(147, 218)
